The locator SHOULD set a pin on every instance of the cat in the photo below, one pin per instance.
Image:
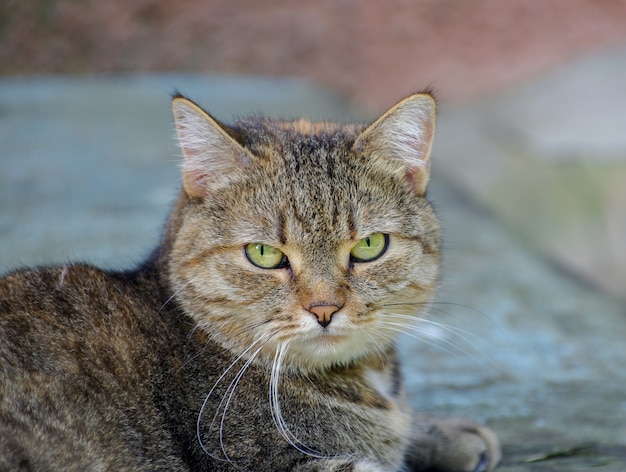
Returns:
(260, 334)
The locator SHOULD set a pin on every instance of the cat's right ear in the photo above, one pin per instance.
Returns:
(212, 159)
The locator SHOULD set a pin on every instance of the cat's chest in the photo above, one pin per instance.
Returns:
(382, 383)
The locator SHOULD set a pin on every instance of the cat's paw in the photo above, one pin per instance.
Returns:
(339, 465)
(461, 445)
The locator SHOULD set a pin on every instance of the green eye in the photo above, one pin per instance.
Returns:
(265, 257)
(370, 248)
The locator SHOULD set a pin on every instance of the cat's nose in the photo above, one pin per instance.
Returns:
(324, 313)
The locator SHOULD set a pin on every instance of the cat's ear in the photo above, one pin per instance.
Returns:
(211, 158)
(404, 135)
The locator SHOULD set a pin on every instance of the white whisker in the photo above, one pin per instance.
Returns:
(373, 335)
(185, 285)
(404, 329)
(427, 308)
(230, 392)
(277, 415)
(264, 340)
(461, 333)
(467, 338)
(464, 346)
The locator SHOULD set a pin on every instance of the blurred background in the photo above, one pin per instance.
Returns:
(568, 132)
(372, 51)
(529, 170)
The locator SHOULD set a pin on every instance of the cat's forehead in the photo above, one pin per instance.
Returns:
(312, 159)
(309, 184)
(301, 153)
(265, 135)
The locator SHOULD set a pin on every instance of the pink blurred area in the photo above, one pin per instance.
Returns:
(372, 51)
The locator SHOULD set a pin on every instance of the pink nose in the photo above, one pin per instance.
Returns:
(324, 313)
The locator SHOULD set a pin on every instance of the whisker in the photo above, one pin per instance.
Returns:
(197, 326)
(264, 341)
(427, 308)
(190, 359)
(404, 329)
(460, 332)
(373, 336)
(185, 285)
(475, 352)
(230, 391)
(193, 330)
(467, 337)
(425, 316)
(277, 416)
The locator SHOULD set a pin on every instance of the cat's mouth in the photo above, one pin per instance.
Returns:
(320, 348)
(325, 337)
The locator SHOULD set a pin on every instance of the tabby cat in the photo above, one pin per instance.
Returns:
(260, 334)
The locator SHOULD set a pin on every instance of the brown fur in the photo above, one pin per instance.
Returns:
(200, 360)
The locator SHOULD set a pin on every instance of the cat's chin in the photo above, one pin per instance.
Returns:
(324, 339)
(326, 350)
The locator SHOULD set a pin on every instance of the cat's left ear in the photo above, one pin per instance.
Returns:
(403, 135)
(212, 159)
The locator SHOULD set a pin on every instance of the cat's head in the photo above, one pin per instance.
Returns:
(316, 236)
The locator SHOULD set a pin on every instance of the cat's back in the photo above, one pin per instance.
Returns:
(68, 309)
(75, 353)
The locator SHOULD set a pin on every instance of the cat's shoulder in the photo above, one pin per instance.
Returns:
(44, 284)
(56, 319)
(73, 293)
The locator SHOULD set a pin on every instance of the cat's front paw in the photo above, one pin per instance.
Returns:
(455, 445)
(464, 446)
(339, 465)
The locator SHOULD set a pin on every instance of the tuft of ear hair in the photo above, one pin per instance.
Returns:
(404, 135)
(212, 159)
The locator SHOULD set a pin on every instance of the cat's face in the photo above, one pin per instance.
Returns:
(310, 236)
